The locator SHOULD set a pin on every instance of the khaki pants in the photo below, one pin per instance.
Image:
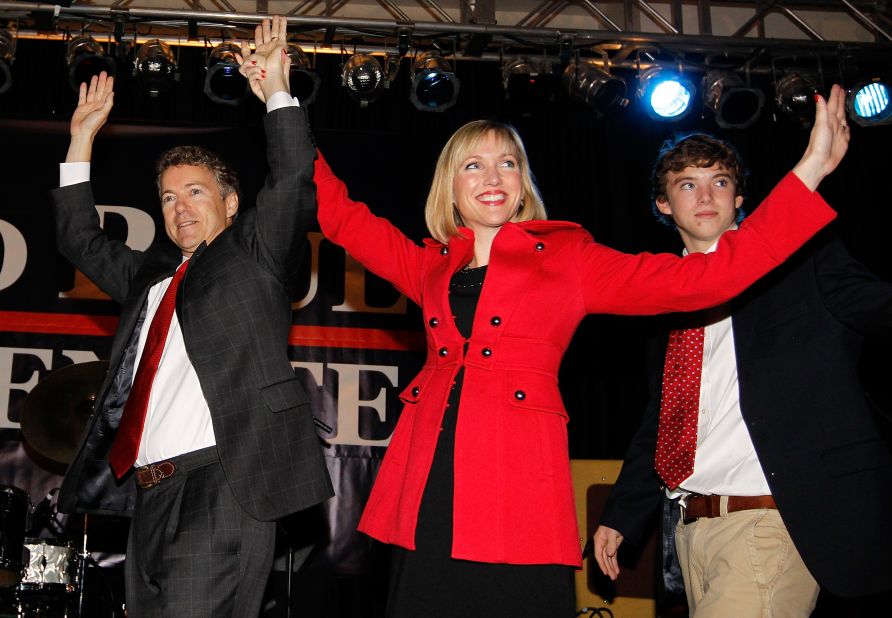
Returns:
(743, 565)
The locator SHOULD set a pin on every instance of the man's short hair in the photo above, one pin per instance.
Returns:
(224, 175)
(695, 150)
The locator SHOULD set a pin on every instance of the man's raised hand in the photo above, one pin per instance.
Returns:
(94, 103)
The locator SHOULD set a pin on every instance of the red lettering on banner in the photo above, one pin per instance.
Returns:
(309, 336)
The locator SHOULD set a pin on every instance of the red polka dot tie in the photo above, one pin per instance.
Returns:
(677, 435)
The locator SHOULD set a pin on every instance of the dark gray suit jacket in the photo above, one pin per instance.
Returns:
(797, 337)
(235, 311)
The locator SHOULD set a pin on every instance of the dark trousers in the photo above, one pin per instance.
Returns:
(192, 551)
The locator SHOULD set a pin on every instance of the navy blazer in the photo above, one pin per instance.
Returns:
(234, 306)
(797, 336)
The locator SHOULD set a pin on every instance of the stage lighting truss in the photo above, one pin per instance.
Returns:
(587, 79)
(734, 103)
(7, 56)
(868, 103)
(303, 80)
(794, 96)
(85, 59)
(363, 78)
(155, 67)
(434, 85)
(530, 85)
(665, 94)
(223, 83)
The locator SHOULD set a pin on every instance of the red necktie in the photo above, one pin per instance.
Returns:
(677, 435)
(133, 418)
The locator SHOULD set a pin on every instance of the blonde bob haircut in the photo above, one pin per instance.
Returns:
(440, 213)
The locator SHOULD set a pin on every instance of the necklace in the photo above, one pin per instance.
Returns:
(472, 276)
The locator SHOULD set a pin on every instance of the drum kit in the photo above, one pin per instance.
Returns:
(45, 576)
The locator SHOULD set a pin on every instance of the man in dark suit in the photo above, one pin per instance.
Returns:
(204, 402)
(790, 486)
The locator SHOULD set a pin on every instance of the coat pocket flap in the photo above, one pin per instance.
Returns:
(534, 391)
(284, 395)
(857, 457)
(414, 391)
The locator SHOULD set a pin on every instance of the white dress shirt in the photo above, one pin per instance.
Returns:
(725, 462)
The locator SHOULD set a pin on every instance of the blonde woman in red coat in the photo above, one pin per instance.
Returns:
(475, 490)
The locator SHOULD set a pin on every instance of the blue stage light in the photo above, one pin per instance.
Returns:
(869, 103)
(665, 95)
(434, 86)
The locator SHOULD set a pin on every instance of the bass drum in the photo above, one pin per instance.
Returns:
(14, 507)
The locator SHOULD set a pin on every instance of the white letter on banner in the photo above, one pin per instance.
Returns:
(140, 234)
(15, 254)
(349, 402)
(7, 355)
(80, 356)
(315, 239)
(354, 291)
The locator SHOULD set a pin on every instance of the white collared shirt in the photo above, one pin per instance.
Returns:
(725, 462)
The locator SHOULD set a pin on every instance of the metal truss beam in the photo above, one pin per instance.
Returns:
(623, 32)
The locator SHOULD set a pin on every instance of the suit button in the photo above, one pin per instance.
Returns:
(496, 320)
(486, 352)
(415, 391)
(520, 395)
(443, 351)
(444, 251)
(540, 246)
(434, 322)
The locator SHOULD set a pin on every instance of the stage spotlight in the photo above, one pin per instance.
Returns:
(868, 103)
(794, 95)
(434, 85)
(85, 59)
(303, 80)
(223, 83)
(589, 82)
(530, 86)
(155, 67)
(666, 95)
(736, 106)
(363, 78)
(7, 56)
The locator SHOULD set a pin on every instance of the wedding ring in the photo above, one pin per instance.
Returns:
(843, 124)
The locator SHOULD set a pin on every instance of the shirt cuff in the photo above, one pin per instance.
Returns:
(73, 173)
(279, 100)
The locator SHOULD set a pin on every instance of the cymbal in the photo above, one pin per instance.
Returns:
(56, 410)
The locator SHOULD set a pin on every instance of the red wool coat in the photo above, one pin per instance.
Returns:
(513, 492)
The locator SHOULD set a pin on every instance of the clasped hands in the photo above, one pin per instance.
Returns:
(267, 68)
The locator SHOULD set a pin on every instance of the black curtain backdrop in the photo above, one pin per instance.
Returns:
(591, 170)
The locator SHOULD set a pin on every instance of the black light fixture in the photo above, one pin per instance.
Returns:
(155, 67)
(794, 95)
(665, 94)
(86, 59)
(587, 80)
(530, 85)
(735, 105)
(304, 81)
(434, 86)
(7, 56)
(869, 103)
(363, 78)
(223, 83)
